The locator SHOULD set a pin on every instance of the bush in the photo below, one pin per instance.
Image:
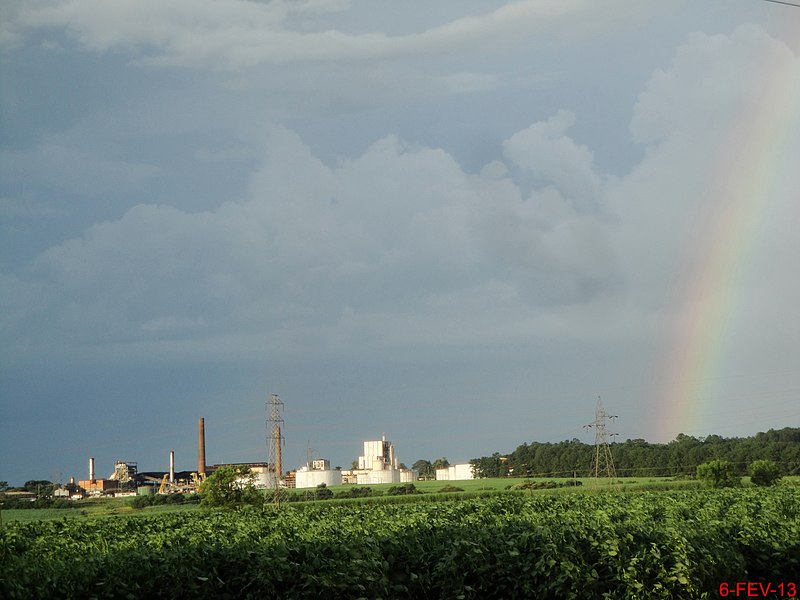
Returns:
(764, 473)
(357, 492)
(451, 488)
(402, 490)
(718, 473)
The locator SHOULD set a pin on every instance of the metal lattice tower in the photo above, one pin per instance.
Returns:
(603, 462)
(274, 408)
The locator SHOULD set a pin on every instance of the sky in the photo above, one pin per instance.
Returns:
(457, 224)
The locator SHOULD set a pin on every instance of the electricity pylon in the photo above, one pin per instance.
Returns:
(603, 463)
(274, 446)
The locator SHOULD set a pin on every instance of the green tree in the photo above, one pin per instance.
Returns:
(764, 473)
(230, 486)
(441, 463)
(489, 466)
(424, 469)
(718, 473)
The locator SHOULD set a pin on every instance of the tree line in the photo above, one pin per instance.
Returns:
(639, 458)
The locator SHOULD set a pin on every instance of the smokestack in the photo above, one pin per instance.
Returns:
(278, 466)
(172, 466)
(201, 446)
(91, 469)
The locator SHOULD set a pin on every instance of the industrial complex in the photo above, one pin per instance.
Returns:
(378, 464)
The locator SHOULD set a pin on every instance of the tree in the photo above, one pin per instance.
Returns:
(489, 466)
(230, 486)
(718, 473)
(41, 487)
(424, 469)
(764, 473)
(441, 463)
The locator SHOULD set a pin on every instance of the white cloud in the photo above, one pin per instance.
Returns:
(234, 34)
(544, 150)
(383, 237)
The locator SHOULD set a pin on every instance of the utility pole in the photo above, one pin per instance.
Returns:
(274, 408)
(603, 463)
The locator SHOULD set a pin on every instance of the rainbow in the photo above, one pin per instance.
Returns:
(743, 179)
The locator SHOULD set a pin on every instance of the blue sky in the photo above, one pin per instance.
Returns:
(455, 223)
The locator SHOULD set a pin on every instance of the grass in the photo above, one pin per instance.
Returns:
(431, 490)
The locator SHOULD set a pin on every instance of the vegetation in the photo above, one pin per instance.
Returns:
(718, 473)
(678, 544)
(640, 458)
(764, 473)
(231, 486)
(164, 499)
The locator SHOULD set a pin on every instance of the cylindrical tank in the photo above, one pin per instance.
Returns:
(309, 478)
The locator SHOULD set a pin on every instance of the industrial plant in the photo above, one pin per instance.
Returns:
(377, 465)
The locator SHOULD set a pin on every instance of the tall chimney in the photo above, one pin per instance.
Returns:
(91, 469)
(172, 466)
(201, 446)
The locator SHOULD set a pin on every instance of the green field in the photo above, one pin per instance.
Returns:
(103, 507)
(584, 544)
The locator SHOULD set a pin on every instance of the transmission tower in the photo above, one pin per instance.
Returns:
(274, 446)
(603, 463)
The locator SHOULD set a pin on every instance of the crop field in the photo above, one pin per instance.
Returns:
(674, 544)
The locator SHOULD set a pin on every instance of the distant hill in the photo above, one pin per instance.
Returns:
(639, 458)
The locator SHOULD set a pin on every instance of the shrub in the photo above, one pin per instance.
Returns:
(718, 473)
(402, 490)
(764, 473)
(451, 488)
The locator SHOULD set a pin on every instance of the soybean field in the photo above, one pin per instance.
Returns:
(676, 544)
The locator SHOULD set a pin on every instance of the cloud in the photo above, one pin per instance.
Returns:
(235, 34)
(64, 167)
(318, 255)
(400, 247)
(545, 151)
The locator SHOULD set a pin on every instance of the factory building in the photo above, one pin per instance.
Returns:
(458, 472)
(318, 472)
(378, 464)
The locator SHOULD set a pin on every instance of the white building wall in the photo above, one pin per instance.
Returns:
(306, 478)
(263, 479)
(376, 477)
(461, 471)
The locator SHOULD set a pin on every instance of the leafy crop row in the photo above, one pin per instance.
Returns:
(665, 545)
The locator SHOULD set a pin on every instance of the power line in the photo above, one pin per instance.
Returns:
(785, 3)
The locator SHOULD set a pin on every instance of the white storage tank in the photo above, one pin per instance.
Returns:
(311, 478)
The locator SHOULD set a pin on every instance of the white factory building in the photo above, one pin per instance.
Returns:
(316, 473)
(455, 472)
(378, 464)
